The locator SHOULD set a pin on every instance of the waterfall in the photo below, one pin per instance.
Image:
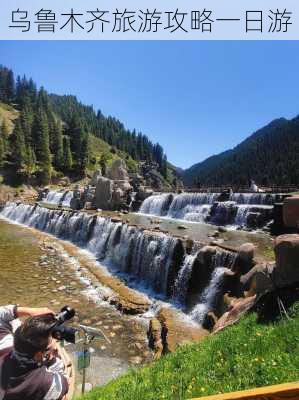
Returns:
(182, 280)
(53, 197)
(241, 216)
(156, 205)
(59, 198)
(66, 202)
(189, 206)
(187, 203)
(210, 207)
(208, 296)
(148, 260)
(254, 198)
(146, 257)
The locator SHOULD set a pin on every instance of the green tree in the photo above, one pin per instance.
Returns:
(67, 154)
(30, 165)
(40, 133)
(18, 147)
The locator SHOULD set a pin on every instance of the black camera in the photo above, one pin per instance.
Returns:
(61, 332)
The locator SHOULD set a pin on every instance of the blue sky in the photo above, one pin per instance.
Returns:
(196, 98)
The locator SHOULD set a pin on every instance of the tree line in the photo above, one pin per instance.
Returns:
(52, 133)
(269, 157)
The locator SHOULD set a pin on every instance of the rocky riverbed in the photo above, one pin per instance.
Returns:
(36, 270)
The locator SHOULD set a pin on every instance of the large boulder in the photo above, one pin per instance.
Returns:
(291, 212)
(95, 177)
(117, 199)
(266, 277)
(118, 171)
(258, 281)
(287, 260)
(245, 258)
(144, 192)
(103, 193)
(237, 310)
(223, 213)
(123, 185)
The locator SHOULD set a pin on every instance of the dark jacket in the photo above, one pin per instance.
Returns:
(24, 379)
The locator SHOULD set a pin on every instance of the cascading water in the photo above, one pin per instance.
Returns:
(156, 205)
(145, 257)
(182, 280)
(189, 206)
(222, 264)
(53, 197)
(208, 296)
(254, 198)
(206, 207)
(66, 202)
(59, 198)
(241, 216)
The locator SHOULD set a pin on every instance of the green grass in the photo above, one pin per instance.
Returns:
(99, 147)
(243, 356)
(8, 114)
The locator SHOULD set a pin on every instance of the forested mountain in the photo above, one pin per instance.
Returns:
(269, 156)
(55, 134)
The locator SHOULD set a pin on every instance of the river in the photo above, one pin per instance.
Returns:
(36, 271)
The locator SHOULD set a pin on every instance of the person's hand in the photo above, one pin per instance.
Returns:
(33, 312)
(41, 311)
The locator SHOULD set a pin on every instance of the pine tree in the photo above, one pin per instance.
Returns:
(10, 86)
(84, 155)
(164, 170)
(57, 146)
(7, 85)
(67, 154)
(40, 133)
(5, 135)
(27, 121)
(30, 165)
(17, 147)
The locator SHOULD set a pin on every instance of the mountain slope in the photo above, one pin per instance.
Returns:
(45, 136)
(269, 156)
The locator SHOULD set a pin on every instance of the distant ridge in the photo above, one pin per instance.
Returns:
(269, 156)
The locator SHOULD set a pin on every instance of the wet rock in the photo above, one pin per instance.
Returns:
(223, 213)
(135, 360)
(117, 327)
(238, 309)
(245, 258)
(96, 175)
(291, 212)
(209, 321)
(174, 331)
(86, 322)
(201, 271)
(61, 288)
(103, 193)
(287, 255)
(182, 227)
(155, 337)
(138, 346)
(222, 229)
(258, 280)
(118, 171)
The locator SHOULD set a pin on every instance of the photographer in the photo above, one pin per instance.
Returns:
(29, 368)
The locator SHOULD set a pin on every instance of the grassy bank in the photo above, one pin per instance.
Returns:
(244, 356)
